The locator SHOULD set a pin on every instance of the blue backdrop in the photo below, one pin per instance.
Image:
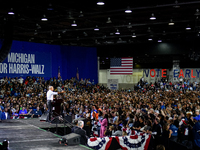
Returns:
(36, 59)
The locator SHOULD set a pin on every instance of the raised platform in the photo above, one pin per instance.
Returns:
(26, 134)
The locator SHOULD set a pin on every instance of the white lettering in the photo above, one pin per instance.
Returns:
(42, 69)
(33, 58)
(3, 68)
(25, 58)
(122, 78)
(10, 68)
(21, 58)
(37, 69)
(14, 68)
(27, 68)
(128, 80)
(18, 68)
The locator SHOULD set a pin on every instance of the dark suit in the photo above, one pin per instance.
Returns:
(82, 133)
(3, 116)
(43, 110)
(75, 127)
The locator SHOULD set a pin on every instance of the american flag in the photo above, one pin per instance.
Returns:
(121, 66)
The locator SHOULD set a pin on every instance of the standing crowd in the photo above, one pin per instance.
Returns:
(163, 109)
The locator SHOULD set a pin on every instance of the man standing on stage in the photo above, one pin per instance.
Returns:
(50, 94)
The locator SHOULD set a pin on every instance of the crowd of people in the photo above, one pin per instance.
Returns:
(162, 109)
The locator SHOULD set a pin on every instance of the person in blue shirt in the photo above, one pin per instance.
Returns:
(93, 83)
(162, 105)
(174, 135)
(37, 112)
(23, 111)
(16, 94)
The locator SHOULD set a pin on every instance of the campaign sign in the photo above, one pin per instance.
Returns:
(112, 84)
(26, 64)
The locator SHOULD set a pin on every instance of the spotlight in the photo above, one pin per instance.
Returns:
(100, 3)
(159, 41)
(152, 17)
(188, 28)
(128, 10)
(96, 28)
(11, 12)
(117, 32)
(74, 24)
(171, 23)
(44, 18)
(133, 35)
(150, 39)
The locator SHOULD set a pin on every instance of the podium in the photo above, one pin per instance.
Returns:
(56, 106)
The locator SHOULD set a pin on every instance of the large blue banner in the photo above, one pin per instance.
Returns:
(26, 64)
(43, 60)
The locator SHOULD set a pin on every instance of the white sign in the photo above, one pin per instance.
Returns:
(113, 84)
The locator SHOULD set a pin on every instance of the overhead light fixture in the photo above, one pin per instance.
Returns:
(133, 36)
(159, 41)
(50, 7)
(100, 3)
(109, 20)
(152, 17)
(44, 18)
(74, 24)
(96, 28)
(129, 25)
(103, 37)
(176, 5)
(149, 29)
(38, 26)
(197, 13)
(70, 15)
(85, 34)
(171, 23)
(117, 32)
(128, 10)
(81, 14)
(11, 12)
(150, 39)
(164, 33)
(35, 33)
(59, 36)
(188, 27)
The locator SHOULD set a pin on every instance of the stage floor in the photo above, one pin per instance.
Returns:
(26, 134)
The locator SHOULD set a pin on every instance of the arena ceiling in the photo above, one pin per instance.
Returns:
(108, 18)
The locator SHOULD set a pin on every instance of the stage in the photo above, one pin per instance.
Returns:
(31, 134)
